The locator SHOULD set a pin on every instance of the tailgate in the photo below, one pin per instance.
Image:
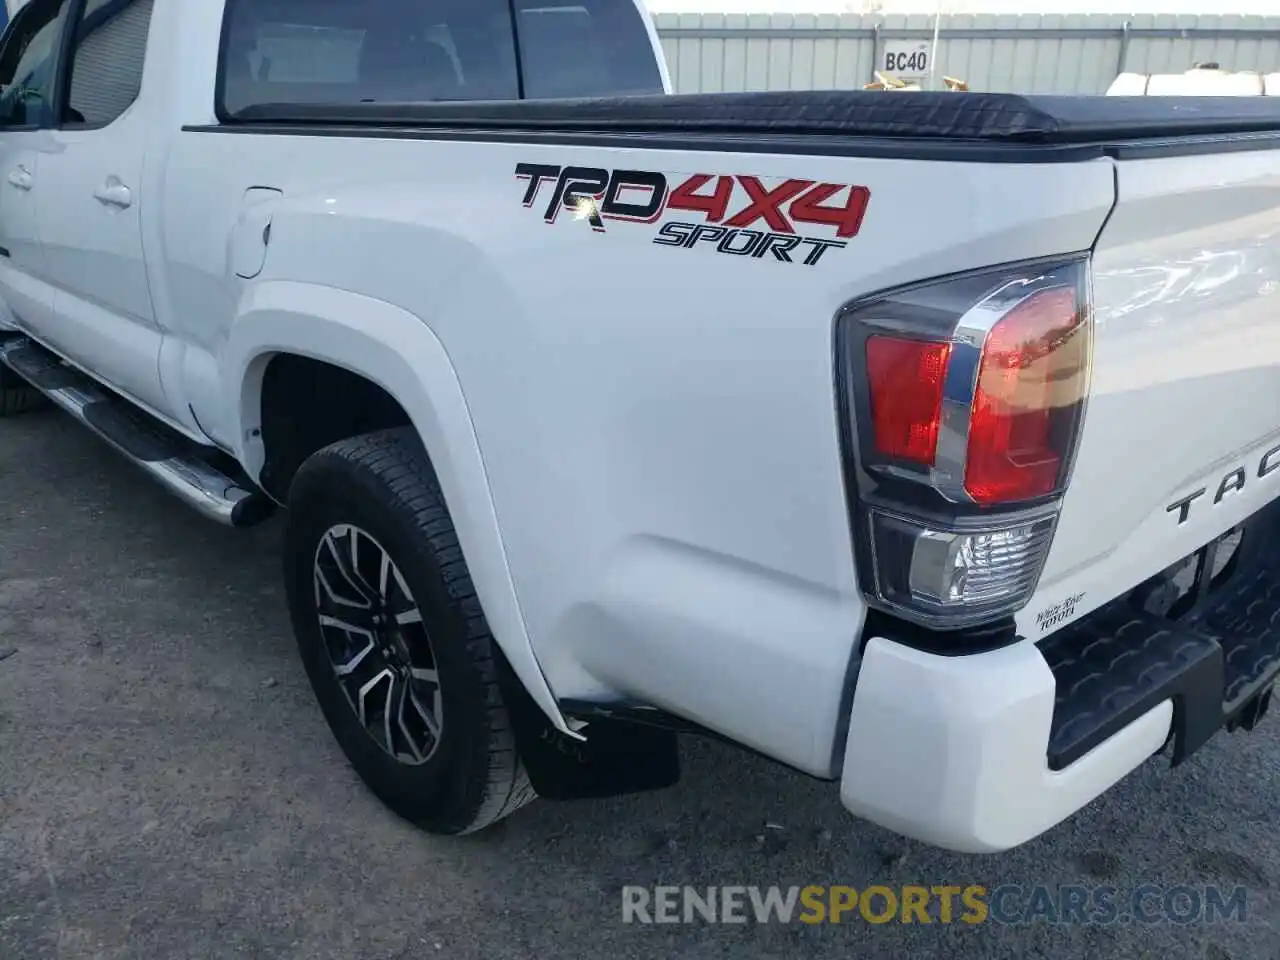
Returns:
(1181, 437)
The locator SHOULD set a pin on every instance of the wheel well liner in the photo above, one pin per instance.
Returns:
(308, 404)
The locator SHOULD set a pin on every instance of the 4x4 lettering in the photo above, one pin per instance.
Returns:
(765, 203)
(847, 219)
(714, 205)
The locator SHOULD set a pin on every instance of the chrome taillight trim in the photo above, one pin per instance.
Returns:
(968, 339)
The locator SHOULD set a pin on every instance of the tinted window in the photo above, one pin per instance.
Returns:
(27, 61)
(346, 51)
(106, 69)
(585, 48)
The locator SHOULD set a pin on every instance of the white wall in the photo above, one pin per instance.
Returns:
(1058, 53)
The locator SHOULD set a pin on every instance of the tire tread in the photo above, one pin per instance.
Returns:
(16, 395)
(396, 460)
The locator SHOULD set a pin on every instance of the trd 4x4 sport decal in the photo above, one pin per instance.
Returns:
(730, 210)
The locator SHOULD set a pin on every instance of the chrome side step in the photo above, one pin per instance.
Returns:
(168, 457)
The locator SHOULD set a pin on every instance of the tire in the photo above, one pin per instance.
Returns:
(379, 492)
(16, 395)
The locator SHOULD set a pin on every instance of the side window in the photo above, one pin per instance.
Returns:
(344, 51)
(585, 48)
(106, 67)
(27, 62)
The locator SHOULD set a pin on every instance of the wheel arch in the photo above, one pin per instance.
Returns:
(397, 352)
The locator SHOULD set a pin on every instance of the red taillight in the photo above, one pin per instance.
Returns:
(1029, 382)
(966, 399)
(906, 378)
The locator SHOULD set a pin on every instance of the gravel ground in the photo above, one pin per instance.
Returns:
(169, 790)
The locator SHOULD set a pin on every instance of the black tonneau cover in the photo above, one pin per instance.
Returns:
(991, 118)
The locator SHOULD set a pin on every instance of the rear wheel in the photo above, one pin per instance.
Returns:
(393, 638)
(16, 395)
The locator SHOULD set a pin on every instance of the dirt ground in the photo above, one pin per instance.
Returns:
(169, 790)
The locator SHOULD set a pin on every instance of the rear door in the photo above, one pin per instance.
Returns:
(90, 202)
(27, 70)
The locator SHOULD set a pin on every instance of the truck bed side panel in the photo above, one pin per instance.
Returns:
(658, 423)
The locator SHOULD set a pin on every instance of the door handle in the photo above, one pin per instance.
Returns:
(115, 194)
(21, 178)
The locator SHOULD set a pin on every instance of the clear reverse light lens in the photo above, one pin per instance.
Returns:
(956, 578)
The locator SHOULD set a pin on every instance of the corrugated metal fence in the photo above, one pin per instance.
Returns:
(1034, 53)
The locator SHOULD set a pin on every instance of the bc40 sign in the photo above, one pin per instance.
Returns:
(906, 59)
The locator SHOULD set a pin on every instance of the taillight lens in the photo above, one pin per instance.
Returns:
(905, 377)
(1030, 383)
(965, 399)
(955, 578)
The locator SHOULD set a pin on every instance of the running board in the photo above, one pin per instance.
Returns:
(171, 459)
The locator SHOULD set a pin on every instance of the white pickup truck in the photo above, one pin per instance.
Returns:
(924, 444)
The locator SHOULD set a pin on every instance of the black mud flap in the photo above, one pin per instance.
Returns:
(617, 757)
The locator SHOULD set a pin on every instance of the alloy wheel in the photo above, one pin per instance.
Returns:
(377, 644)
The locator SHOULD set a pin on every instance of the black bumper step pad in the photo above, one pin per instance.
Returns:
(1117, 664)
(1246, 621)
(1216, 662)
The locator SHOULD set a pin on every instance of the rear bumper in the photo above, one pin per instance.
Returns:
(954, 750)
(982, 753)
